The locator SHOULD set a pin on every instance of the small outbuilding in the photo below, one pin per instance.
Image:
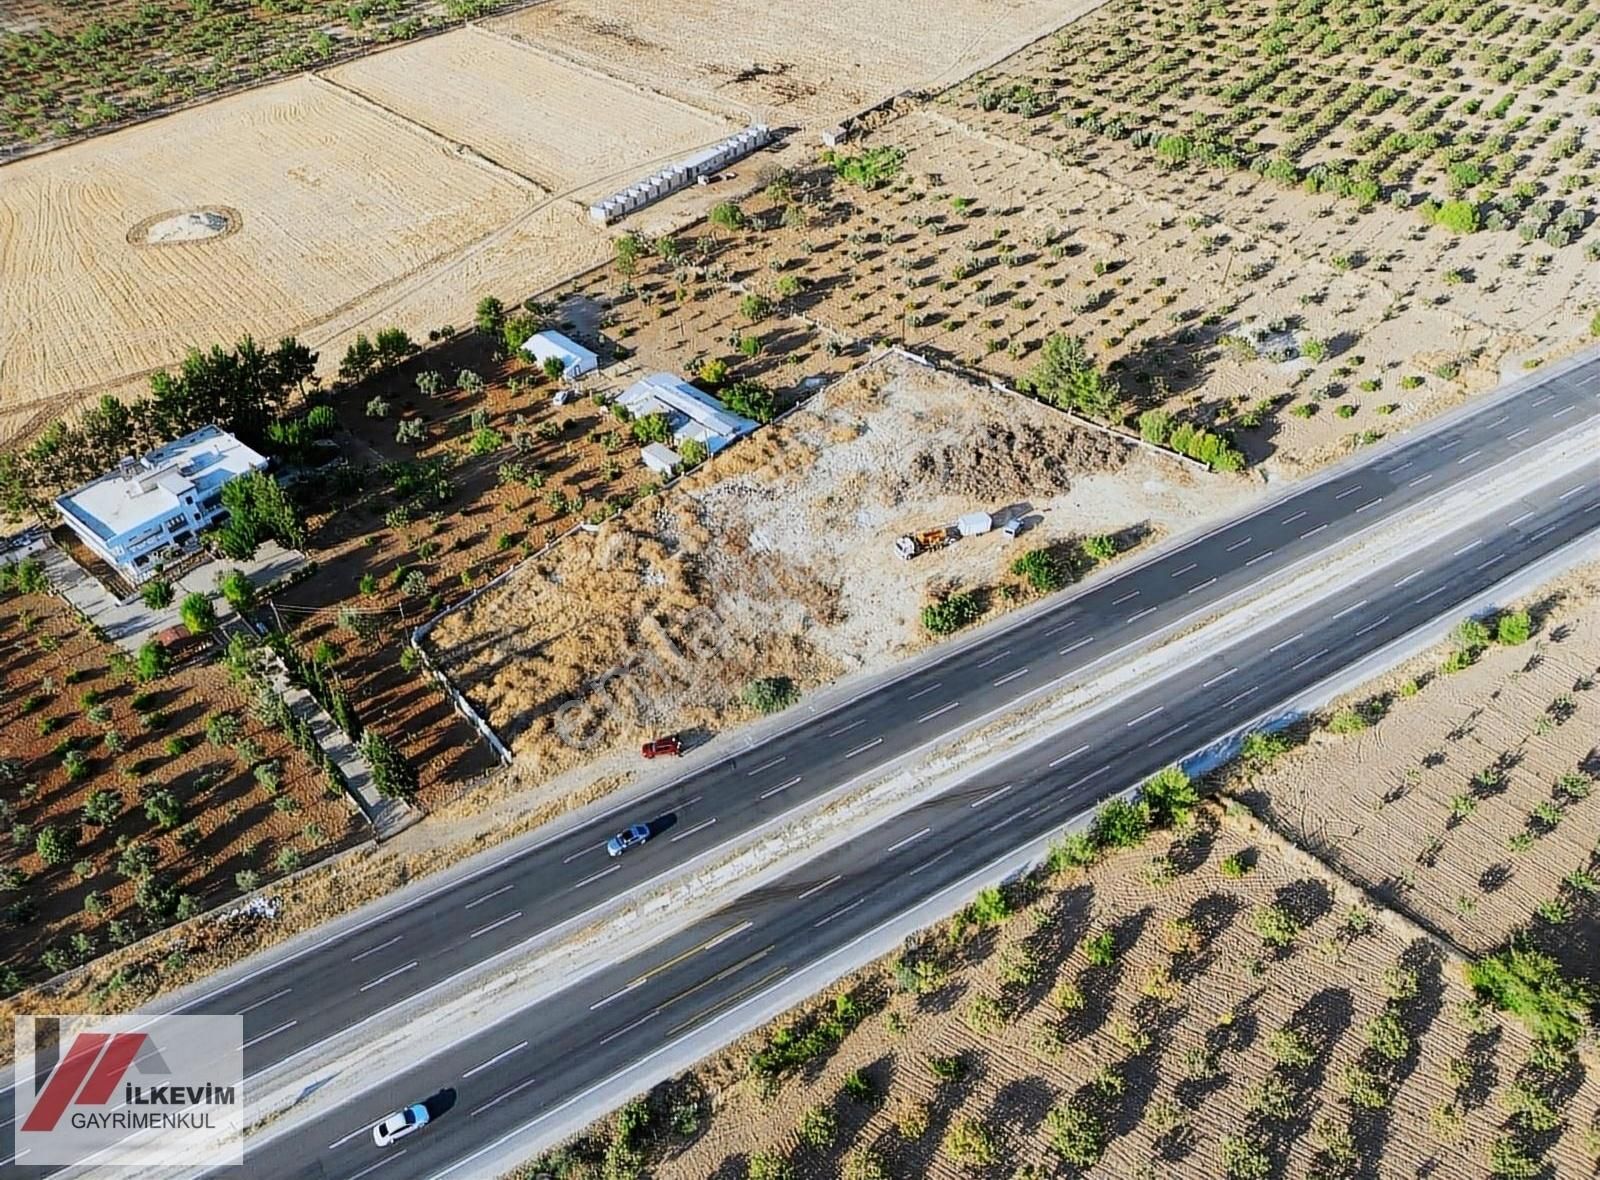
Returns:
(663, 460)
(576, 360)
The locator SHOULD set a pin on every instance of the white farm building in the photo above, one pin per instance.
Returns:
(576, 360)
(690, 413)
(157, 504)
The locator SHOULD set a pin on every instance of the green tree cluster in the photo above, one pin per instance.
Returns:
(1066, 377)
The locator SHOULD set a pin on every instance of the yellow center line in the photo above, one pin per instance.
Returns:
(723, 1005)
(704, 946)
(720, 975)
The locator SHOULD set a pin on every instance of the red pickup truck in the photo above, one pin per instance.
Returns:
(662, 745)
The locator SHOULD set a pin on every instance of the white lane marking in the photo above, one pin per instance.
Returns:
(1069, 756)
(1009, 676)
(1298, 635)
(1519, 433)
(497, 922)
(1564, 409)
(499, 1098)
(699, 827)
(1201, 586)
(1569, 493)
(609, 1037)
(1370, 626)
(1347, 610)
(1483, 565)
(1542, 400)
(922, 692)
(1012, 818)
(1434, 593)
(1240, 696)
(766, 766)
(372, 983)
(273, 1033)
(1544, 532)
(1134, 618)
(999, 655)
(241, 1012)
(837, 877)
(941, 710)
(1420, 479)
(1402, 467)
(1295, 517)
(566, 860)
(379, 1164)
(1075, 646)
(1414, 574)
(846, 728)
(1238, 545)
(1370, 504)
(1519, 519)
(342, 1140)
(1177, 729)
(1468, 547)
(1179, 573)
(1593, 506)
(1455, 442)
(1348, 492)
(1087, 777)
(1220, 678)
(1312, 532)
(899, 844)
(838, 913)
(1125, 598)
(496, 1059)
(376, 949)
(1061, 627)
(592, 877)
(1260, 557)
(780, 787)
(930, 862)
(877, 741)
(1467, 456)
(1499, 420)
(995, 794)
(1307, 660)
(1144, 717)
(504, 888)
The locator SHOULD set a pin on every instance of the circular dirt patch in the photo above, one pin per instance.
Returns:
(182, 226)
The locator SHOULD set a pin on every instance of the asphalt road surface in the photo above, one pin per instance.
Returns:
(532, 1064)
(291, 1005)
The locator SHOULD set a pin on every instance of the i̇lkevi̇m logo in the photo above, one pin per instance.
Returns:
(131, 1091)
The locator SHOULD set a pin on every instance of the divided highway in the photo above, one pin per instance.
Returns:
(290, 1005)
(529, 1067)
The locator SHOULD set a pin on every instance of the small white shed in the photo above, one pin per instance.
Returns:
(663, 460)
(576, 360)
(974, 524)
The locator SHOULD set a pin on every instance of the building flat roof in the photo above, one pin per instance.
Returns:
(544, 345)
(151, 489)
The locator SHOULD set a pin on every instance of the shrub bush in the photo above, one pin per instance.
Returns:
(771, 694)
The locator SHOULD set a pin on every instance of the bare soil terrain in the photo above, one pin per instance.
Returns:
(777, 559)
(202, 821)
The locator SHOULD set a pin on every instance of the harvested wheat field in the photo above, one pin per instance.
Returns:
(558, 124)
(1160, 1014)
(1467, 794)
(324, 220)
(777, 559)
(808, 63)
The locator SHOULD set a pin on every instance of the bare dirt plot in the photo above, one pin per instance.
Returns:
(777, 559)
(1468, 803)
(328, 220)
(811, 63)
(1133, 1021)
(554, 122)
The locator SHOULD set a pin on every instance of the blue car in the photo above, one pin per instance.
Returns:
(400, 1124)
(626, 839)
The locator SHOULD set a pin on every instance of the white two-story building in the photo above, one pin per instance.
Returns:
(152, 509)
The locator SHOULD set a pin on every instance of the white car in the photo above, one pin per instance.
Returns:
(400, 1124)
(1013, 527)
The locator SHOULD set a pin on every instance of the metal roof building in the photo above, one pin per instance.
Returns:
(691, 413)
(576, 360)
